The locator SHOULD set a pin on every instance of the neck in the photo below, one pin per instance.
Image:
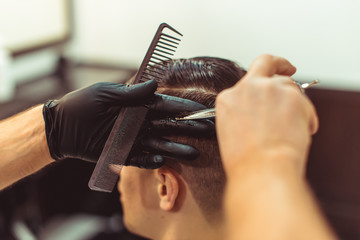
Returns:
(190, 225)
(193, 230)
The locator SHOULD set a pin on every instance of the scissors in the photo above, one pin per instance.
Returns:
(210, 112)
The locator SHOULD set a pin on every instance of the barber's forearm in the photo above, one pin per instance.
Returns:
(23, 146)
(267, 199)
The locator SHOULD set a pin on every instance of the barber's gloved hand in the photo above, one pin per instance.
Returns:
(78, 124)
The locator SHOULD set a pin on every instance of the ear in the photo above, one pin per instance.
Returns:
(168, 188)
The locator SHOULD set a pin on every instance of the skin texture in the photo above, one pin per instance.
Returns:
(265, 166)
(23, 147)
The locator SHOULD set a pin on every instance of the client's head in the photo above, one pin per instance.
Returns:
(182, 197)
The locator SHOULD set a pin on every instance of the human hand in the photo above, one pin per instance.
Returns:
(265, 113)
(78, 124)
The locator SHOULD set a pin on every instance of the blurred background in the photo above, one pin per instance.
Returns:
(50, 47)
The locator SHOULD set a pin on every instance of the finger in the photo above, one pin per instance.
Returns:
(313, 119)
(148, 161)
(170, 104)
(314, 124)
(187, 127)
(116, 168)
(121, 94)
(283, 79)
(267, 66)
(288, 81)
(309, 110)
(170, 149)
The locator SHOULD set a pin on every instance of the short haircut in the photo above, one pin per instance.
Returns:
(200, 79)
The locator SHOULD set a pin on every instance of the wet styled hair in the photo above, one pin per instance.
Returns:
(200, 79)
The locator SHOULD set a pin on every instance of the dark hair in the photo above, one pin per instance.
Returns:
(200, 79)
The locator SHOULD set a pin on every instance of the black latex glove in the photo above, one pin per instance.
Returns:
(78, 124)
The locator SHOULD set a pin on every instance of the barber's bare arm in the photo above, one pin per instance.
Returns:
(78, 125)
(23, 147)
(264, 127)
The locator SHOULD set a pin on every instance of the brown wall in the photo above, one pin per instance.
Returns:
(334, 161)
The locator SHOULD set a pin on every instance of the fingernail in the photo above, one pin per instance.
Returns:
(116, 168)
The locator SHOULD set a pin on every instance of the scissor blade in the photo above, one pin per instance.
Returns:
(307, 85)
(203, 114)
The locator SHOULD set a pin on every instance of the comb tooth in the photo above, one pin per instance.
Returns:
(152, 75)
(163, 52)
(155, 63)
(155, 69)
(157, 59)
(165, 39)
(160, 56)
(166, 35)
(172, 50)
(149, 70)
(167, 44)
(160, 64)
(146, 77)
(158, 68)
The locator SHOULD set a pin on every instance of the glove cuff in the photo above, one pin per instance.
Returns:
(50, 130)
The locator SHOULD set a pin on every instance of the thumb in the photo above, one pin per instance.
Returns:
(134, 94)
(267, 66)
(141, 90)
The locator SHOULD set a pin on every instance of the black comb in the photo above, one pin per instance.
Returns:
(130, 119)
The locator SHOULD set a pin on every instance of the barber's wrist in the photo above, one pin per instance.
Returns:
(43, 144)
(50, 130)
(274, 161)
